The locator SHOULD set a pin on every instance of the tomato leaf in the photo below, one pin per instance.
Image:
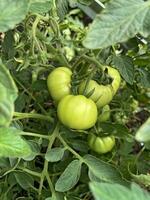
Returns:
(40, 6)
(24, 180)
(144, 77)
(7, 81)
(102, 170)
(69, 177)
(8, 94)
(12, 144)
(11, 13)
(55, 154)
(35, 148)
(118, 22)
(108, 191)
(118, 130)
(125, 66)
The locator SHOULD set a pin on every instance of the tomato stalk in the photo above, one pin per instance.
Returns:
(35, 135)
(93, 60)
(19, 115)
(70, 149)
(33, 173)
(45, 173)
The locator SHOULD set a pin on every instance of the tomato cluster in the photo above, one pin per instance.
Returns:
(78, 111)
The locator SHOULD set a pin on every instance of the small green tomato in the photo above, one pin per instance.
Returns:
(101, 145)
(105, 114)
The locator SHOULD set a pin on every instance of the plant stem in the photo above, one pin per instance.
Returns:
(30, 172)
(35, 135)
(34, 27)
(50, 184)
(59, 55)
(45, 168)
(138, 155)
(32, 115)
(93, 60)
(70, 149)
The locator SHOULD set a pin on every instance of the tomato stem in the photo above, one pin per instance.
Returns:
(70, 149)
(34, 135)
(93, 60)
(19, 115)
(45, 173)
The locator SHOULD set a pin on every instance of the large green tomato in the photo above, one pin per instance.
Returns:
(102, 94)
(77, 112)
(101, 145)
(59, 83)
(105, 114)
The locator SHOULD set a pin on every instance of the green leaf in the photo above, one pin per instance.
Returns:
(115, 129)
(62, 8)
(69, 177)
(120, 21)
(106, 191)
(12, 144)
(8, 94)
(7, 81)
(40, 6)
(35, 150)
(143, 134)
(11, 13)
(144, 77)
(55, 154)
(87, 10)
(24, 180)
(6, 106)
(142, 179)
(125, 66)
(8, 49)
(102, 170)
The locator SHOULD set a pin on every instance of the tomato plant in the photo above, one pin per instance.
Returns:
(101, 145)
(77, 112)
(74, 99)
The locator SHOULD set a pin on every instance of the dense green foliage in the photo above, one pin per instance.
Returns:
(54, 143)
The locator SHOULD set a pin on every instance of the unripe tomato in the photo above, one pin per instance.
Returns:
(102, 94)
(105, 114)
(77, 112)
(101, 145)
(59, 83)
(114, 74)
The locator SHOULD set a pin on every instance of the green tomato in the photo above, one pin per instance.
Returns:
(59, 83)
(105, 114)
(102, 94)
(77, 112)
(114, 74)
(101, 145)
(134, 104)
(120, 118)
